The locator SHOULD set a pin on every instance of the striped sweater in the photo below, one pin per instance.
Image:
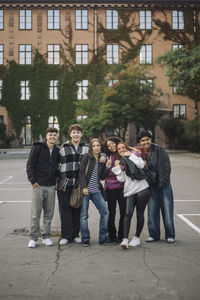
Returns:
(70, 158)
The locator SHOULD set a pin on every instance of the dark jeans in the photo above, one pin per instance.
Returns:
(161, 199)
(69, 216)
(139, 201)
(114, 196)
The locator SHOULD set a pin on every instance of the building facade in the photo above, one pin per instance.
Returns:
(26, 25)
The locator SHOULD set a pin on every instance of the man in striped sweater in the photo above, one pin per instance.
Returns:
(71, 153)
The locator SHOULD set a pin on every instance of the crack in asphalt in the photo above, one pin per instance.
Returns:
(150, 269)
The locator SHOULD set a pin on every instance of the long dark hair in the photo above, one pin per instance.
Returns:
(114, 139)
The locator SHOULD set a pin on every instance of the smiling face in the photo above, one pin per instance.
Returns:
(96, 148)
(121, 148)
(145, 141)
(76, 136)
(111, 146)
(51, 138)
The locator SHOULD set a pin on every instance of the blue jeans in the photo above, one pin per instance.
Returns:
(100, 204)
(161, 199)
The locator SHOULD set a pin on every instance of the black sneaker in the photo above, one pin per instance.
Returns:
(86, 244)
(108, 241)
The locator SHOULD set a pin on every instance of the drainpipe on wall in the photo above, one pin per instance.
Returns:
(195, 84)
(95, 31)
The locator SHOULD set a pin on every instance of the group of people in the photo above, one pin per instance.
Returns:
(112, 173)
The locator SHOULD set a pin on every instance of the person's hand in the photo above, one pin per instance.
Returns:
(102, 159)
(117, 162)
(126, 153)
(109, 163)
(35, 185)
(122, 167)
(85, 191)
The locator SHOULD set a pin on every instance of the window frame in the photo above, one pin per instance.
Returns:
(145, 20)
(82, 54)
(2, 22)
(1, 87)
(25, 19)
(25, 90)
(53, 17)
(2, 54)
(179, 110)
(112, 11)
(178, 17)
(53, 90)
(82, 22)
(25, 55)
(82, 90)
(146, 55)
(112, 58)
(53, 54)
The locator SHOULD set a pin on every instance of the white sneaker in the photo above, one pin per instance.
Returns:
(63, 242)
(124, 244)
(134, 242)
(170, 240)
(150, 239)
(77, 240)
(47, 242)
(32, 244)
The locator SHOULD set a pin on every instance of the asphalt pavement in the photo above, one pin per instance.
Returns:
(151, 271)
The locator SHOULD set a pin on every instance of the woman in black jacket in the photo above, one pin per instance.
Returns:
(92, 190)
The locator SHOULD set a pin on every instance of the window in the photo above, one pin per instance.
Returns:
(53, 90)
(178, 88)
(25, 90)
(1, 20)
(53, 54)
(81, 118)
(1, 85)
(111, 19)
(114, 132)
(25, 136)
(81, 54)
(179, 111)
(81, 19)
(146, 83)
(111, 82)
(177, 19)
(25, 19)
(25, 54)
(145, 19)
(176, 46)
(112, 54)
(53, 19)
(82, 90)
(1, 119)
(53, 122)
(1, 54)
(146, 54)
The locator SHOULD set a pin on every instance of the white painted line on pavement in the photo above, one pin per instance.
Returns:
(10, 177)
(189, 222)
(15, 189)
(25, 201)
(186, 200)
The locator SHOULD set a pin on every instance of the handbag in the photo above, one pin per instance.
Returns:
(77, 192)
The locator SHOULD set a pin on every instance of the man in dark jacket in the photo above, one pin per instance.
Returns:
(42, 168)
(161, 194)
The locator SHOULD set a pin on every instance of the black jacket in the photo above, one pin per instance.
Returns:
(83, 179)
(42, 168)
(158, 161)
(132, 170)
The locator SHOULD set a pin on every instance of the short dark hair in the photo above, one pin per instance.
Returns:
(51, 129)
(77, 127)
(144, 133)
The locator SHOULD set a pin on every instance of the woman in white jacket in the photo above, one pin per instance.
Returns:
(137, 193)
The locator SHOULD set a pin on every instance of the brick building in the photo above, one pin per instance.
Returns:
(28, 24)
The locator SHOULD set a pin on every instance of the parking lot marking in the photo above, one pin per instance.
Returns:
(186, 200)
(182, 216)
(10, 177)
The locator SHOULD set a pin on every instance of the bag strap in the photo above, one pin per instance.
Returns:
(87, 166)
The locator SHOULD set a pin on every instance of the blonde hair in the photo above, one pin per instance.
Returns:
(92, 142)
